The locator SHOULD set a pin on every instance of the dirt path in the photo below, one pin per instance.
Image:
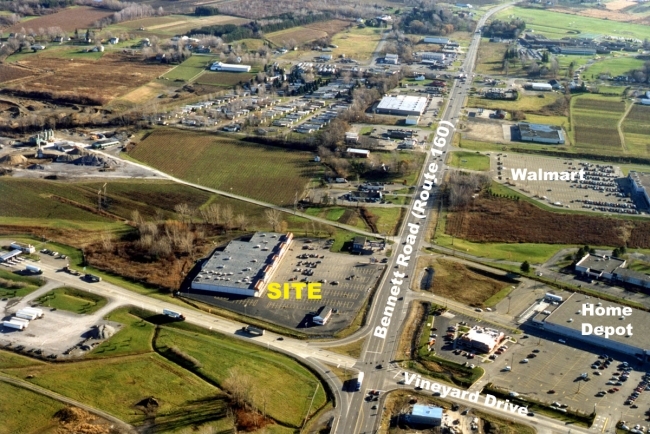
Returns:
(620, 124)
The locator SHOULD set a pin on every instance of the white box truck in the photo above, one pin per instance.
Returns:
(30, 316)
(172, 314)
(37, 311)
(32, 269)
(13, 325)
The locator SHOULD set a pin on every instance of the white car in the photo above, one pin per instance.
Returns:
(507, 368)
(524, 361)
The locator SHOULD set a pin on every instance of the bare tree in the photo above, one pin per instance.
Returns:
(227, 216)
(241, 221)
(274, 217)
(107, 241)
(184, 211)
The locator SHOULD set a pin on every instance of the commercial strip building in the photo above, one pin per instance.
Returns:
(402, 105)
(640, 183)
(539, 133)
(611, 270)
(565, 319)
(244, 267)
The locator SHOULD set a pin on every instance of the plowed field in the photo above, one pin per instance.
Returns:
(67, 19)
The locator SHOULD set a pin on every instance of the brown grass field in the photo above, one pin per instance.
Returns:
(101, 80)
(331, 27)
(226, 79)
(301, 35)
(8, 73)
(461, 283)
(67, 19)
(262, 172)
(493, 219)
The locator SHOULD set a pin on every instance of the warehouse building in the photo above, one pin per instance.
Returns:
(435, 40)
(228, 67)
(483, 339)
(566, 320)
(581, 51)
(640, 183)
(244, 267)
(402, 105)
(430, 55)
(425, 415)
(539, 133)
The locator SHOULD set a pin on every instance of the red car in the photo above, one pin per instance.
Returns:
(616, 389)
(611, 391)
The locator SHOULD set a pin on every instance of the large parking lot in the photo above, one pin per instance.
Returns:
(347, 282)
(602, 190)
(553, 372)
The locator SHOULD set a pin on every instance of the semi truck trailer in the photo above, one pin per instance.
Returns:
(14, 325)
(172, 314)
(253, 330)
(32, 269)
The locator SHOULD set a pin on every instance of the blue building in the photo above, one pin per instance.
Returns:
(425, 415)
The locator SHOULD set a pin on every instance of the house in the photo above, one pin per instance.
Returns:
(37, 47)
(114, 40)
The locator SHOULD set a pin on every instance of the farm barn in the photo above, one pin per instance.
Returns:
(228, 67)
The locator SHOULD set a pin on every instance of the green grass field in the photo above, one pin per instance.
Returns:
(15, 285)
(612, 66)
(277, 381)
(558, 25)
(117, 385)
(73, 300)
(229, 165)
(190, 68)
(134, 338)
(13, 360)
(26, 411)
(526, 103)
(469, 160)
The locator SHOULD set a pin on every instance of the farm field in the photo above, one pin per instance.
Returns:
(24, 402)
(299, 35)
(224, 79)
(494, 220)
(331, 27)
(8, 73)
(68, 19)
(595, 119)
(525, 102)
(170, 25)
(558, 25)
(636, 130)
(357, 44)
(140, 95)
(38, 199)
(73, 300)
(113, 75)
(469, 160)
(230, 165)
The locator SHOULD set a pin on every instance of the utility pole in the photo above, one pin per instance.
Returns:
(310, 404)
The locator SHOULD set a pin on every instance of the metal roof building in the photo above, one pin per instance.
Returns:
(435, 40)
(243, 267)
(425, 415)
(540, 133)
(567, 321)
(402, 105)
(640, 183)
